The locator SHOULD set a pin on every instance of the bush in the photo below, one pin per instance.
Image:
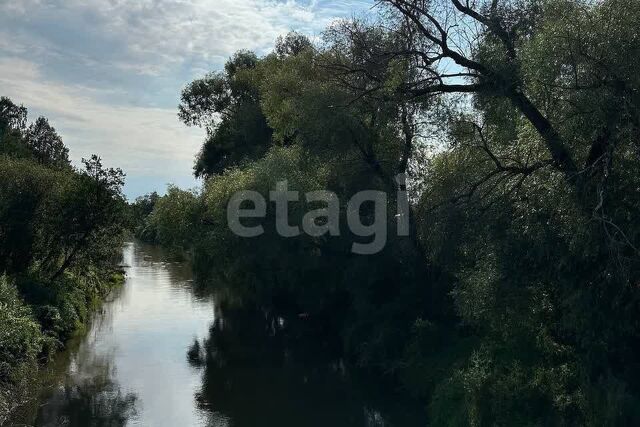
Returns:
(21, 343)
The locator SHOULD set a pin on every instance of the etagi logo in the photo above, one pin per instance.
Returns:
(326, 220)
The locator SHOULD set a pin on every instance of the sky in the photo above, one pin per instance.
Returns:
(108, 73)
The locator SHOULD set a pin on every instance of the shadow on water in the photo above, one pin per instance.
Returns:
(256, 375)
(161, 353)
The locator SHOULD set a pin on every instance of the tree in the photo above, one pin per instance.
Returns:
(94, 214)
(292, 44)
(227, 106)
(13, 122)
(46, 144)
(175, 219)
(491, 46)
(12, 117)
(525, 204)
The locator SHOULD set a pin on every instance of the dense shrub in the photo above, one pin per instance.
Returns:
(21, 342)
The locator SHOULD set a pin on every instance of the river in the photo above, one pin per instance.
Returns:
(138, 365)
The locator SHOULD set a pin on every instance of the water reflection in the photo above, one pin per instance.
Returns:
(130, 367)
(95, 400)
(159, 354)
(256, 376)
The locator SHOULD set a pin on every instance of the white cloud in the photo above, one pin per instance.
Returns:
(99, 69)
(162, 33)
(143, 141)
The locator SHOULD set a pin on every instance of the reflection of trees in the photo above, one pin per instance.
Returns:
(89, 398)
(179, 272)
(255, 376)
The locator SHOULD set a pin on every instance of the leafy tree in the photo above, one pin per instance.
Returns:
(46, 144)
(140, 211)
(13, 123)
(175, 219)
(227, 106)
(525, 207)
(320, 140)
(292, 44)
(97, 208)
(12, 117)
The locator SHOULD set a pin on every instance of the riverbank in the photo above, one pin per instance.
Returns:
(37, 319)
(61, 234)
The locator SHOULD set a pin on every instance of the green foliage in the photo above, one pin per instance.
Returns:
(39, 141)
(139, 217)
(12, 117)
(514, 299)
(60, 237)
(21, 338)
(545, 271)
(36, 318)
(226, 105)
(13, 125)
(174, 219)
(21, 342)
(56, 219)
(46, 144)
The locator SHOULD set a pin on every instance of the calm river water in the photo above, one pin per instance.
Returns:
(137, 365)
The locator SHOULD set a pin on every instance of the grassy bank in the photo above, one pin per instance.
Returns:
(36, 320)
